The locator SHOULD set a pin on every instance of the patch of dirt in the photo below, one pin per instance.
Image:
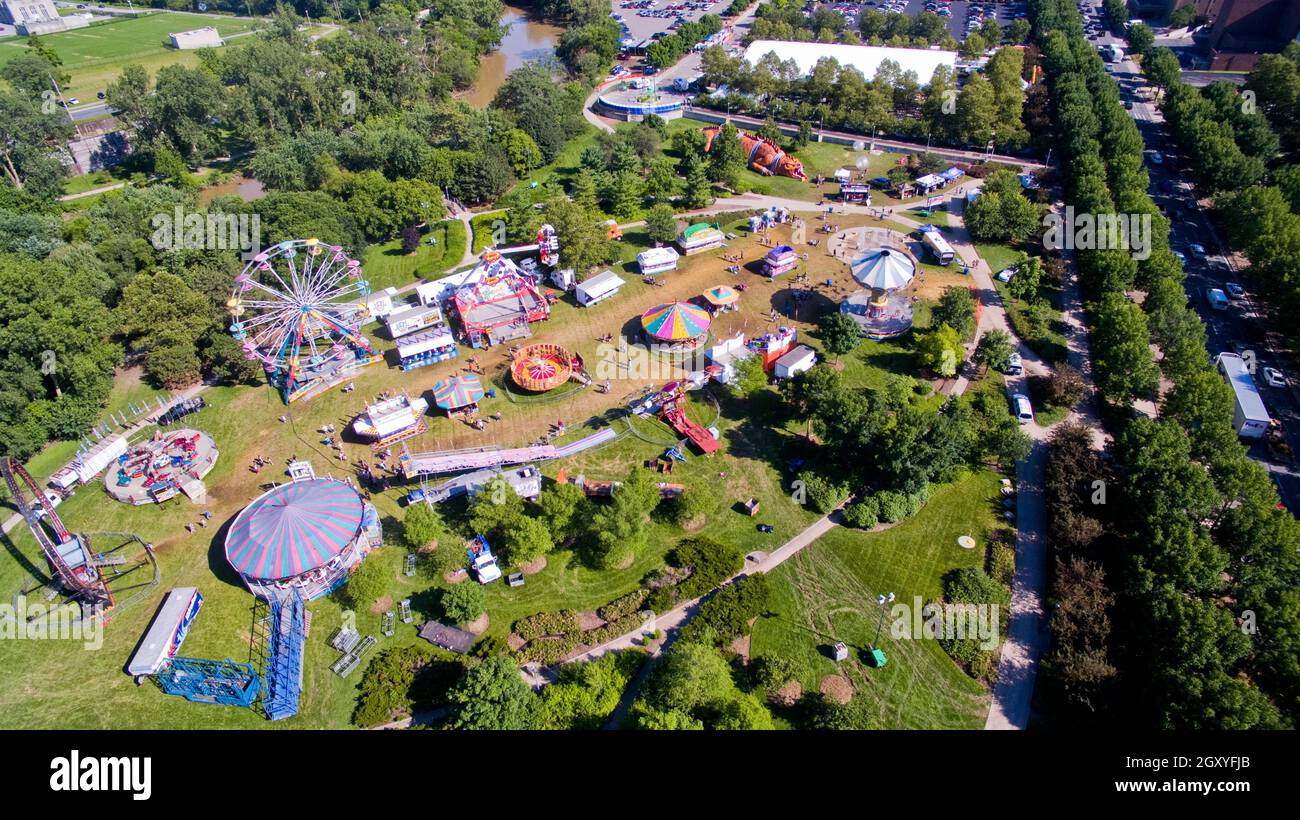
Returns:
(478, 626)
(515, 642)
(382, 605)
(589, 620)
(624, 564)
(741, 647)
(533, 567)
(428, 548)
(837, 688)
(789, 694)
(456, 576)
(696, 523)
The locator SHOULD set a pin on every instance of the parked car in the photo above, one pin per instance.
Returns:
(1021, 408)
(1235, 290)
(1197, 250)
(1274, 377)
(1014, 366)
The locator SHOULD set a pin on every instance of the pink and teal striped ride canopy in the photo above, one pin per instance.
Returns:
(458, 391)
(293, 529)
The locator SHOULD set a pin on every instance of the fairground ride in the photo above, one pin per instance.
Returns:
(297, 309)
(100, 571)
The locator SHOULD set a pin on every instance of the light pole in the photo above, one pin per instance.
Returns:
(882, 601)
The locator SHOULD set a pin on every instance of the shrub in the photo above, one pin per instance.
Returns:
(1002, 562)
(626, 605)
(863, 514)
(546, 623)
(822, 493)
(727, 615)
(400, 681)
(711, 562)
(893, 506)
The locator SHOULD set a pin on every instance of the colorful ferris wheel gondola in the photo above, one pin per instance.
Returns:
(297, 309)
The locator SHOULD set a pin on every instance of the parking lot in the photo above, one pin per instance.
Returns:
(960, 14)
(640, 23)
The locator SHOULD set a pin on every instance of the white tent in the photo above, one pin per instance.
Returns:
(922, 61)
(883, 269)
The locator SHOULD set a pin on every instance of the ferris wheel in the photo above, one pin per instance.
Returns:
(297, 309)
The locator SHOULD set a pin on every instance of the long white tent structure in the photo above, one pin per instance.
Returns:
(864, 58)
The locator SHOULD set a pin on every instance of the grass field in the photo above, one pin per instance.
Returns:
(387, 266)
(94, 56)
(827, 593)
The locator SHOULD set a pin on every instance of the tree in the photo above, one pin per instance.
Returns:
(661, 223)
(563, 507)
(1122, 357)
(620, 526)
(27, 134)
(994, 350)
(956, 309)
(1065, 386)
(726, 159)
(941, 350)
(975, 46)
(463, 603)
(367, 584)
(977, 110)
(748, 377)
(492, 695)
(421, 526)
(698, 192)
(1140, 38)
(584, 242)
(839, 333)
(1183, 16)
(526, 539)
(495, 508)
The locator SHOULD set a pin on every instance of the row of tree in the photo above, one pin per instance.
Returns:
(989, 106)
(1183, 492)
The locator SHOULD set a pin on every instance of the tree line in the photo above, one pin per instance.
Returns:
(1180, 527)
(988, 106)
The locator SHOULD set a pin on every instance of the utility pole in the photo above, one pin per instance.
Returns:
(75, 127)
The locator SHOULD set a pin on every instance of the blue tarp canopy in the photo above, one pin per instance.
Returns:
(953, 173)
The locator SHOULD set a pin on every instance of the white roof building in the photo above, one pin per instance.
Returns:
(206, 37)
(866, 59)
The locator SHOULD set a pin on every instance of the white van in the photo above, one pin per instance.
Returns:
(1020, 406)
(1217, 298)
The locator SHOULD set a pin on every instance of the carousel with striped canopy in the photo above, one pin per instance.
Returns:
(679, 326)
(305, 536)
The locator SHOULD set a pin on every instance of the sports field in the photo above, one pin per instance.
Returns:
(94, 56)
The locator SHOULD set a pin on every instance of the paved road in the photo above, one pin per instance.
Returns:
(1243, 325)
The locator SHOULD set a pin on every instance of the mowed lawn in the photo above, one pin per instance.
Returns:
(827, 593)
(94, 56)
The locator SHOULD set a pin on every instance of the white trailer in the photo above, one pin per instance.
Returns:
(167, 632)
(1249, 416)
(87, 465)
(598, 288)
(939, 246)
(410, 318)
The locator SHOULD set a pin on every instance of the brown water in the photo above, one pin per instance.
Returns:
(526, 40)
(246, 188)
